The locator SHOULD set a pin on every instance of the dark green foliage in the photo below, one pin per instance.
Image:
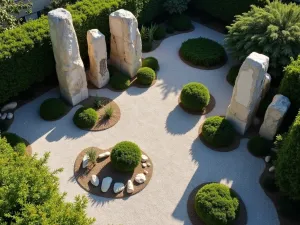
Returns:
(290, 84)
(147, 46)
(145, 76)
(151, 62)
(265, 102)
(170, 30)
(119, 81)
(216, 204)
(195, 96)
(288, 162)
(289, 208)
(85, 117)
(149, 9)
(53, 109)
(126, 156)
(181, 22)
(269, 184)
(273, 31)
(98, 103)
(203, 52)
(259, 146)
(218, 132)
(160, 33)
(16, 142)
(232, 74)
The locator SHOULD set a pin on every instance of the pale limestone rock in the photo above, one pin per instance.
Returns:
(267, 159)
(106, 182)
(3, 116)
(130, 188)
(274, 116)
(247, 91)
(104, 155)
(148, 164)
(95, 180)
(69, 65)
(140, 178)
(98, 73)
(146, 172)
(118, 187)
(9, 106)
(144, 158)
(126, 44)
(272, 169)
(85, 161)
(10, 116)
(144, 165)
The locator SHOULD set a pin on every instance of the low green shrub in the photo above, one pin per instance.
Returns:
(146, 46)
(216, 204)
(160, 33)
(194, 96)
(98, 103)
(218, 132)
(269, 183)
(170, 30)
(126, 156)
(181, 22)
(259, 146)
(85, 118)
(232, 74)
(119, 82)
(145, 76)
(15, 141)
(151, 62)
(203, 52)
(53, 109)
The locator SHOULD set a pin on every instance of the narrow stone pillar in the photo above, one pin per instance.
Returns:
(274, 116)
(126, 44)
(69, 66)
(98, 73)
(248, 91)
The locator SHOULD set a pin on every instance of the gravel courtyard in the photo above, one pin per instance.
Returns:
(152, 119)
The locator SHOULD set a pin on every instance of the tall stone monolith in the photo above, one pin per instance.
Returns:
(98, 73)
(69, 65)
(248, 91)
(126, 44)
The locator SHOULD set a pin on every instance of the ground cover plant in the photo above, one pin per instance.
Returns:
(15, 141)
(85, 118)
(151, 62)
(53, 109)
(145, 76)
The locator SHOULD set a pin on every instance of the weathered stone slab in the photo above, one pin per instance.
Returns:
(274, 116)
(248, 91)
(126, 44)
(69, 65)
(98, 73)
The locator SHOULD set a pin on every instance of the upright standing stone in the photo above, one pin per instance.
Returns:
(69, 66)
(98, 73)
(248, 91)
(126, 44)
(274, 116)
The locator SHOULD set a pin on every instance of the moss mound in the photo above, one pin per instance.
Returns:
(119, 81)
(145, 76)
(53, 109)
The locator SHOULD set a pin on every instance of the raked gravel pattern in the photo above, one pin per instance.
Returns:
(152, 119)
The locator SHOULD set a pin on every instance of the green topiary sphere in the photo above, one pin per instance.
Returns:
(259, 146)
(203, 52)
(125, 156)
(181, 22)
(53, 109)
(151, 62)
(145, 76)
(85, 118)
(15, 141)
(147, 46)
(194, 96)
(216, 204)
(119, 81)
(218, 132)
(160, 33)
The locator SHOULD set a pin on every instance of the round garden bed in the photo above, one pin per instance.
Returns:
(241, 218)
(105, 168)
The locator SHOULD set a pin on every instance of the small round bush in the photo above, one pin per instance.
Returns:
(119, 81)
(216, 204)
(125, 156)
(259, 146)
(160, 33)
(232, 74)
(195, 96)
(203, 52)
(181, 22)
(53, 109)
(15, 141)
(170, 30)
(85, 117)
(147, 46)
(145, 76)
(151, 62)
(218, 132)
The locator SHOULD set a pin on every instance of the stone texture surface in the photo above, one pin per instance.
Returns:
(267, 85)
(95, 180)
(10, 116)
(98, 73)
(140, 178)
(248, 91)
(104, 155)
(85, 161)
(274, 116)
(69, 65)
(130, 187)
(126, 44)
(9, 106)
(106, 182)
(118, 187)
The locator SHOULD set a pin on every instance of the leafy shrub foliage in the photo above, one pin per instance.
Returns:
(203, 52)
(176, 6)
(287, 171)
(146, 46)
(108, 112)
(119, 81)
(53, 109)
(170, 30)
(126, 156)
(195, 96)
(151, 62)
(259, 146)
(15, 141)
(181, 22)
(232, 74)
(85, 117)
(272, 30)
(160, 32)
(145, 76)
(218, 132)
(289, 208)
(215, 204)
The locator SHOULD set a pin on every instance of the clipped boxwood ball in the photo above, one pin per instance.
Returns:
(259, 146)
(203, 52)
(85, 117)
(145, 76)
(216, 204)
(181, 22)
(126, 156)
(53, 109)
(160, 33)
(151, 62)
(218, 132)
(119, 81)
(195, 96)
(15, 141)
(146, 46)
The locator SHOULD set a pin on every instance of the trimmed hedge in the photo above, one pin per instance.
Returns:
(259, 146)
(216, 204)
(181, 22)
(151, 62)
(53, 109)
(85, 118)
(145, 76)
(126, 156)
(15, 141)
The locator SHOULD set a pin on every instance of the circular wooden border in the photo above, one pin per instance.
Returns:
(103, 169)
(211, 105)
(102, 123)
(195, 219)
